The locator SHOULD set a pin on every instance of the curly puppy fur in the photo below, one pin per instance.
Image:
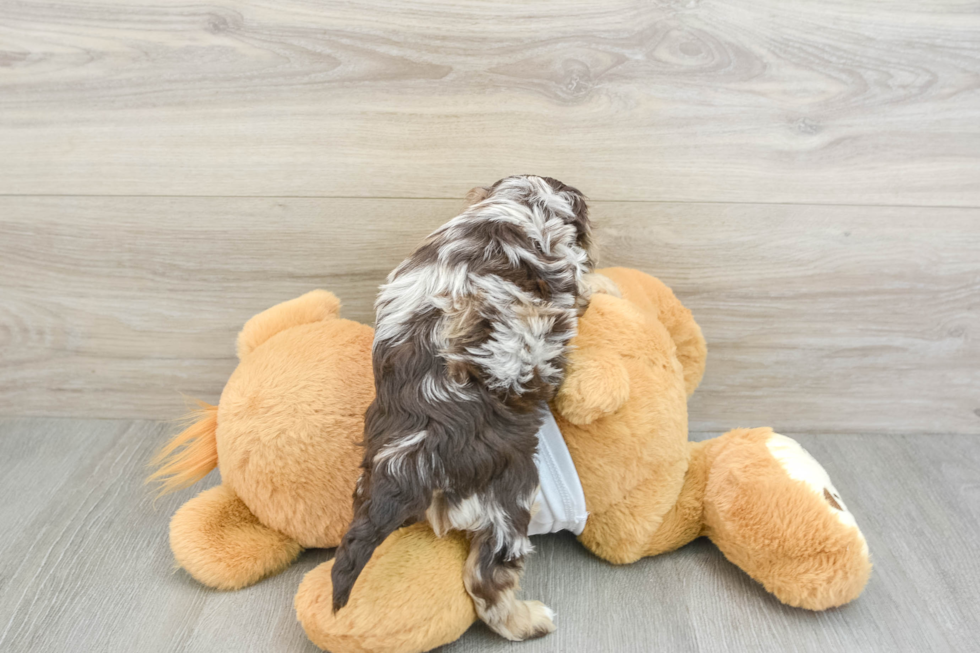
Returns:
(471, 336)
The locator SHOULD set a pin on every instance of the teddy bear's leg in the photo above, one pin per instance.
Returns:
(222, 544)
(772, 510)
(409, 598)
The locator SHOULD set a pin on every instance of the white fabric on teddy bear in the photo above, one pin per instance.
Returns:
(560, 501)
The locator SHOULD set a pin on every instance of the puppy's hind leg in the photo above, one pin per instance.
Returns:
(492, 578)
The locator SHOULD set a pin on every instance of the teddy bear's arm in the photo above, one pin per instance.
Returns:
(597, 383)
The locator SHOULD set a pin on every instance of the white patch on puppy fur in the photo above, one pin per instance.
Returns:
(512, 618)
(393, 454)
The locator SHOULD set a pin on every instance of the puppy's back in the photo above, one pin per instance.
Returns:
(470, 339)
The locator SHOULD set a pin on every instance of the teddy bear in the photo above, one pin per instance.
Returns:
(285, 437)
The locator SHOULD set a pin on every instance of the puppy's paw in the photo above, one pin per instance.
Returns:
(527, 620)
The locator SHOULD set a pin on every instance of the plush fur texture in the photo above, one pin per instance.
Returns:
(622, 411)
(285, 433)
(220, 542)
(800, 543)
(471, 337)
(436, 603)
(189, 456)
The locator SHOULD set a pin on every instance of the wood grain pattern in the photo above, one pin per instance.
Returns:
(684, 100)
(818, 318)
(88, 567)
(113, 307)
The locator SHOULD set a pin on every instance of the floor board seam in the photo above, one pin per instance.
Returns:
(966, 207)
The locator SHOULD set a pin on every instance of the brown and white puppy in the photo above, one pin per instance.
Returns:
(471, 336)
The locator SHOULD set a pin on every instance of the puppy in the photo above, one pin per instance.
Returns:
(470, 342)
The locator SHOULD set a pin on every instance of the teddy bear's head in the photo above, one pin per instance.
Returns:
(291, 415)
(623, 406)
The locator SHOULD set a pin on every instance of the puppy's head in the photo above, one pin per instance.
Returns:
(531, 188)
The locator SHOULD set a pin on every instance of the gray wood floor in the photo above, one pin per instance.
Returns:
(85, 565)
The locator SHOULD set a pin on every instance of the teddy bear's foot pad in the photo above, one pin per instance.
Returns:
(772, 510)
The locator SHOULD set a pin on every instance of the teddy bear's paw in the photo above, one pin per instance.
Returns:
(801, 466)
(525, 620)
(598, 283)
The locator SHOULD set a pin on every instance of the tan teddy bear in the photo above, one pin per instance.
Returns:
(284, 436)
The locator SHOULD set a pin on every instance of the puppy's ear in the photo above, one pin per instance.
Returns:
(579, 207)
(477, 194)
(582, 223)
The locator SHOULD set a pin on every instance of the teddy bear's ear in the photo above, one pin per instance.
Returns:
(314, 306)
(596, 384)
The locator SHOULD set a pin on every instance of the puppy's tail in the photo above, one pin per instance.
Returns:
(190, 454)
(390, 506)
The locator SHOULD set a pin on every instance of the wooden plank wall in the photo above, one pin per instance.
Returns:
(805, 175)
